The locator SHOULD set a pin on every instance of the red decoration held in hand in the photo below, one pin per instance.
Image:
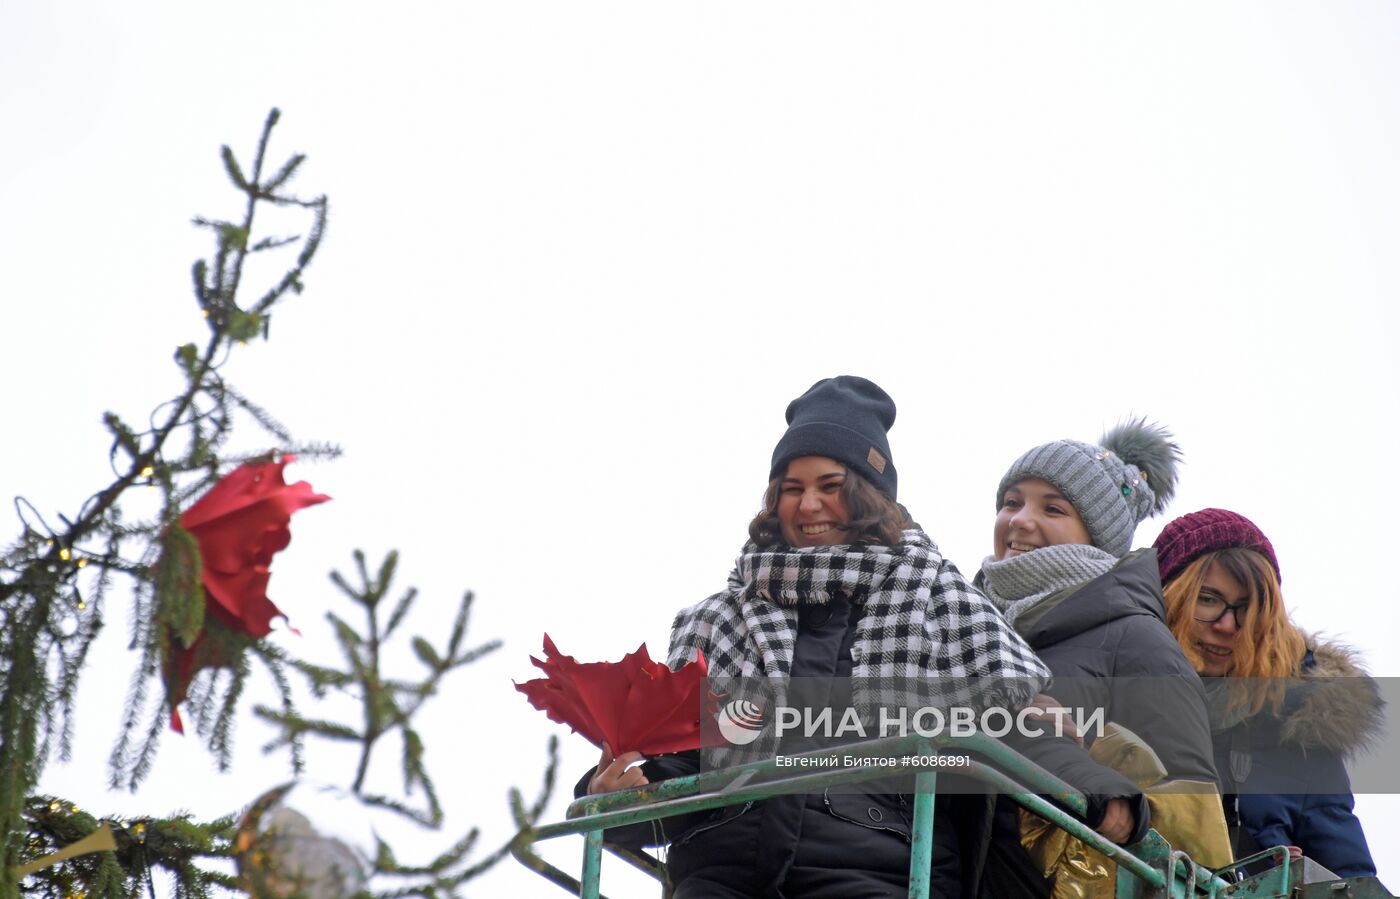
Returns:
(239, 524)
(635, 705)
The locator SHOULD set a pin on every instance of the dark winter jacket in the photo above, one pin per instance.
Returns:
(1108, 645)
(833, 843)
(1283, 774)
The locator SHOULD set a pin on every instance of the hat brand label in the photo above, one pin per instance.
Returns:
(876, 460)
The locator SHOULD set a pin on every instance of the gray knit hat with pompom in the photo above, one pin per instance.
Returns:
(1129, 476)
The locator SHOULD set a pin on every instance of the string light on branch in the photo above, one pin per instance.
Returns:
(148, 471)
(65, 554)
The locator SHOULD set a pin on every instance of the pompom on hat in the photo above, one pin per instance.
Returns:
(1189, 537)
(1129, 476)
(845, 418)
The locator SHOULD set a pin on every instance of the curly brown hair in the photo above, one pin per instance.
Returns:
(875, 518)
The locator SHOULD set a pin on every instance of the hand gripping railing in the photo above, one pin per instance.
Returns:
(1149, 868)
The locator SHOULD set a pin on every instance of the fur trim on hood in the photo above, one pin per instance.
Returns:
(1341, 705)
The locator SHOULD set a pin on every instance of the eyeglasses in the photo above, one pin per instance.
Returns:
(1210, 609)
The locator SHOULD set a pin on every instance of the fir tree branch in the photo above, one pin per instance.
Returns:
(41, 575)
(390, 704)
(178, 844)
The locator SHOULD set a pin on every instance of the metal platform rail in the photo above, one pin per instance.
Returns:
(1146, 870)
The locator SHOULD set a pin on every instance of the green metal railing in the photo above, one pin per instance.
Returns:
(1150, 868)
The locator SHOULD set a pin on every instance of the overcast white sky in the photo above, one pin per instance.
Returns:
(581, 255)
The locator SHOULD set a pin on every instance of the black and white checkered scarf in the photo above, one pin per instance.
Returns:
(921, 618)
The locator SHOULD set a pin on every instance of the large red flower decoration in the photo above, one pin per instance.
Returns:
(239, 525)
(632, 705)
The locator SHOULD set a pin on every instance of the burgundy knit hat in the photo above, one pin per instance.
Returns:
(1192, 536)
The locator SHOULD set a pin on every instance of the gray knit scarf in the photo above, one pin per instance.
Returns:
(1018, 584)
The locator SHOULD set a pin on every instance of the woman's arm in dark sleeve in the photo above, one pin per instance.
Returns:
(1068, 761)
(1320, 823)
(1332, 835)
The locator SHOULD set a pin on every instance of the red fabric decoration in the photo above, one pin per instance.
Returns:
(185, 662)
(635, 705)
(239, 524)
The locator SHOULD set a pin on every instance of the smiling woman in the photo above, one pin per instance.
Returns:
(828, 586)
(1220, 612)
(811, 509)
(1062, 574)
(1034, 514)
(1302, 705)
(818, 501)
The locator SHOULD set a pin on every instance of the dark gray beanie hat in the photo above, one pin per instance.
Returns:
(844, 418)
(1128, 477)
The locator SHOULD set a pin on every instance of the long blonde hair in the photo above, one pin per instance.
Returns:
(1269, 645)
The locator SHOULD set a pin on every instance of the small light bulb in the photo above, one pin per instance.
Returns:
(82, 563)
(64, 554)
(205, 313)
(54, 806)
(147, 471)
(75, 809)
(81, 605)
